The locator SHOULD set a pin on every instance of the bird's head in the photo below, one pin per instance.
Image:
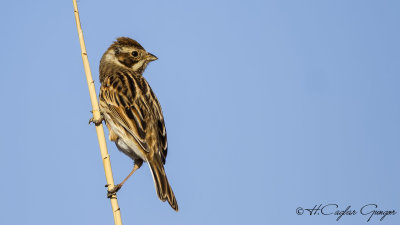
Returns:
(128, 53)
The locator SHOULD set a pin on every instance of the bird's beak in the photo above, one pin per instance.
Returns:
(150, 57)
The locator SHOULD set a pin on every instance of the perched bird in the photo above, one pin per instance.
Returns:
(132, 112)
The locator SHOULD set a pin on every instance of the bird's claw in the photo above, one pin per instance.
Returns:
(113, 191)
(96, 122)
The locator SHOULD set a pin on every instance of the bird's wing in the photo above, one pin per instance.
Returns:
(161, 136)
(118, 99)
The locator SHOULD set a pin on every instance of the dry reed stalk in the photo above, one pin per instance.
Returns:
(96, 116)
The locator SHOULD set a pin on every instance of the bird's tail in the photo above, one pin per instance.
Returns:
(163, 189)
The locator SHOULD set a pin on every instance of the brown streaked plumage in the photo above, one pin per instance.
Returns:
(132, 112)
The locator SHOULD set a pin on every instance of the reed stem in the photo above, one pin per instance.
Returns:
(96, 116)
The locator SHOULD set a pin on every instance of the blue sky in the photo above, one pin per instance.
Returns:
(269, 106)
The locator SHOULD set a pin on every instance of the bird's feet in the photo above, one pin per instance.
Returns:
(98, 121)
(113, 191)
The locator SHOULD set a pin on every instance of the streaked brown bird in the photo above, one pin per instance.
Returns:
(132, 112)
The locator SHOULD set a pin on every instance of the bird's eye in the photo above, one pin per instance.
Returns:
(135, 53)
(117, 51)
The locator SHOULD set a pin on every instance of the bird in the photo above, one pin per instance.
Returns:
(133, 114)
